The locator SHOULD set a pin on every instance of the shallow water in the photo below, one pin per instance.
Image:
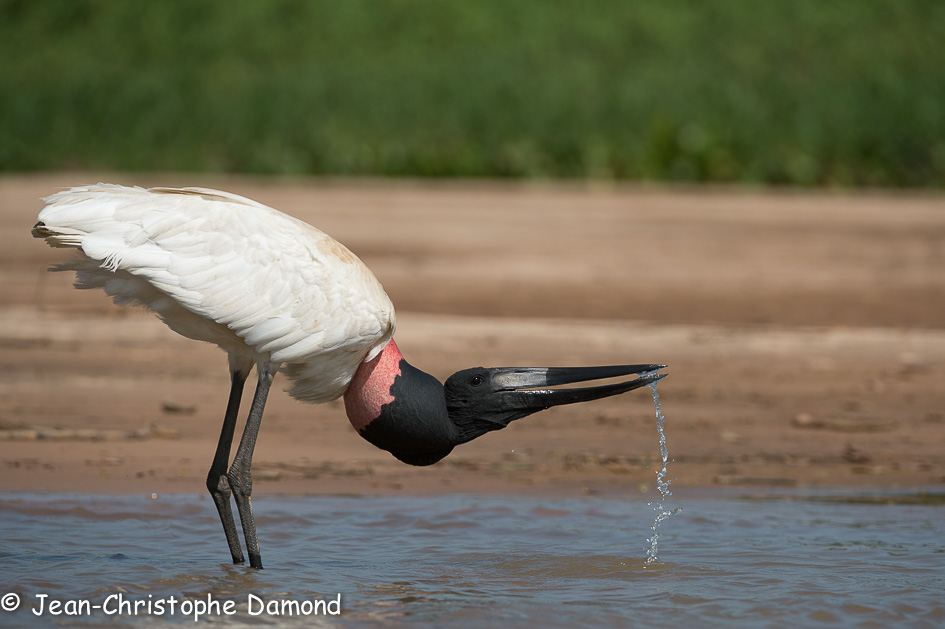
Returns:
(473, 561)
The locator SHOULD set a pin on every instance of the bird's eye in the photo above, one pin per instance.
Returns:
(476, 381)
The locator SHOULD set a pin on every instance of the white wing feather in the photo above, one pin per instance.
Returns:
(224, 269)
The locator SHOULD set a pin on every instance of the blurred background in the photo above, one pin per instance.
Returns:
(749, 192)
(846, 93)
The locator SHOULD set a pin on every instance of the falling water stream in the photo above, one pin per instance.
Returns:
(662, 512)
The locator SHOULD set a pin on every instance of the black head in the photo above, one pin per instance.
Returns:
(426, 420)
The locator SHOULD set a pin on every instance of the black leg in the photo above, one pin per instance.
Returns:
(217, 481)
(240, 474)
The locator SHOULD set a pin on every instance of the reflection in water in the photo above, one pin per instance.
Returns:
(472, 561)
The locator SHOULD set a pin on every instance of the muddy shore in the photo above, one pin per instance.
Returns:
(804, 333)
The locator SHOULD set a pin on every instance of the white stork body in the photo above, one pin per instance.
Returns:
(217, 267)
(275, 292)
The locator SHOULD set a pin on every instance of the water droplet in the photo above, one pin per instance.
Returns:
(661, 483)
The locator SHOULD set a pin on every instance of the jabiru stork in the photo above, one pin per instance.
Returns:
(276, 293)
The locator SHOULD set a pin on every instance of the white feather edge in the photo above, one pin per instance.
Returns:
(121, 258)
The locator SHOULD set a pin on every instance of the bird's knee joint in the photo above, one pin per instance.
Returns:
(218, 484)
(240, 483)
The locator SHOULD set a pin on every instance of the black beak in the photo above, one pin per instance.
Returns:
(480, 400)
(521, 386)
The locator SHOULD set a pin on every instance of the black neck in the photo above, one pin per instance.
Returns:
(415, 426)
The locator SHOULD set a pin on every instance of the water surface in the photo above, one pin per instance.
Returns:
(788, 560)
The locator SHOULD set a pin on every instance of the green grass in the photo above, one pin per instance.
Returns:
(806, 92)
